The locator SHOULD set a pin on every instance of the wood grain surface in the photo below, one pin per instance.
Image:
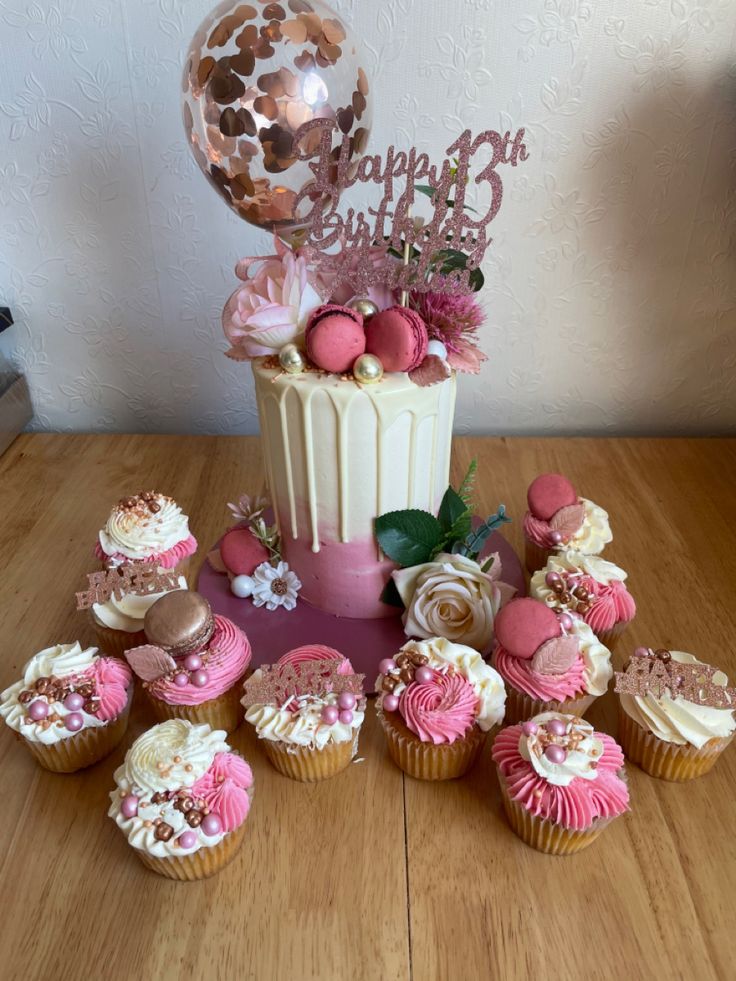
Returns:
(371, 875)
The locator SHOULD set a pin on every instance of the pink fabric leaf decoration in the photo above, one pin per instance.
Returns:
(466, 357)
(430, 372)
(215, 560)
(568, 520)
(555, 656)
(150, 662)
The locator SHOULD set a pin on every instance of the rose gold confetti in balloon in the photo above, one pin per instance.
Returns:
(255, 72)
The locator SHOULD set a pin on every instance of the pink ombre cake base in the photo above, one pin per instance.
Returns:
(364, 642)
(344, 579)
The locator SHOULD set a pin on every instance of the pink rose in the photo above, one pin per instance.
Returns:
(273, 306)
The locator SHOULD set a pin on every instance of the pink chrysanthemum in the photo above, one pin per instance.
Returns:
(453, 319)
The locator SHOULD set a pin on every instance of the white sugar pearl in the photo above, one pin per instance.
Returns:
(242, 586)
(438, 349)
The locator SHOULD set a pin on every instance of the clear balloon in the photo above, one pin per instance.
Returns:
(255, 72)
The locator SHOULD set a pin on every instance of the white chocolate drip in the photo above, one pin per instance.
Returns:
(338, 454)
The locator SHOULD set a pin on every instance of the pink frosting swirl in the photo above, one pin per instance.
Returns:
(547, 687)
(224, 659)
(538, 531)
(112, 680)
(441, 710)
(167, 560)
(316, 652)
(575, 806)
(613, 604)
(224, 789)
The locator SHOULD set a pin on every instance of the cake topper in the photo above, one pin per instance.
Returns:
(656, 673)
(275, 684)
(450, 231)
(137, 578)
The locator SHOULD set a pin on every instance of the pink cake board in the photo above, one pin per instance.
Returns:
(364, 642)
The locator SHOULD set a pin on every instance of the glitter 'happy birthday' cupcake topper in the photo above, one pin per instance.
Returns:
(449, 231)
(275, 685)
(657, 673)
(138, 578)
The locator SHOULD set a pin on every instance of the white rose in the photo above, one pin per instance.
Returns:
(452, 597)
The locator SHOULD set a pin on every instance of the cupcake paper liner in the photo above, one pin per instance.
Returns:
(224, 712)
(427, 761)
(310, 765)
(85, 747)
(667, 761)
(200, 864)
(520, 706)
(114, 643)
(544, 835)
(609, 637)
(535, 556)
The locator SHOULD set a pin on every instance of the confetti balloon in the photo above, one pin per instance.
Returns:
(255, 72)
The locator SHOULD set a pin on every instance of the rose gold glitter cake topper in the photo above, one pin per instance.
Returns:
(656, 673)
(273, 684)
(450, 227)
(138, 578)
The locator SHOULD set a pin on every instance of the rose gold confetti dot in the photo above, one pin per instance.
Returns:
(189, 767)
(177, 759)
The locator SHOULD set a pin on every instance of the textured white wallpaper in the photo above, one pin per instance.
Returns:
(610, 285)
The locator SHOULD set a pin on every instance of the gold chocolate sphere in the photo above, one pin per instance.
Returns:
(367, 369)
(291, 360)
(365, 307)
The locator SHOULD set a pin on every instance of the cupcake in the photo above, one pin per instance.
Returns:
(307, 708)
(118, 620)
(147, 527)
(683, 718)
(549, 662)
(561, 782)
(589, 587)
(181, 798)
(193, 663)
(437, 703)
(558, 520)
(72, 706)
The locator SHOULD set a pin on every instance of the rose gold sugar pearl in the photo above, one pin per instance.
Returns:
(537, 792)
(148, 824)
(189, 767)
(177, 759)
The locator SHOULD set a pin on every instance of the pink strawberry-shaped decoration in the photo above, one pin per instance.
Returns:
(548, 493)
(555, 656)
(522, 625)
(568, 520)
(150, 662)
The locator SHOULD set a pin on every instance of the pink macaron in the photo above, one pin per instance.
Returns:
(523, 625)
(335, 337)
(398, 337)
(548, 493)
(241, 552)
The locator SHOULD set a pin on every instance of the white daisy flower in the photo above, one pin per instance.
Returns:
(270, 586)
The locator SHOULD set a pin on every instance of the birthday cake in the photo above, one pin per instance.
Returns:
(355, 356)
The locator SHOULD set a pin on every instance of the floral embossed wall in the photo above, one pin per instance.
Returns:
(610, 286)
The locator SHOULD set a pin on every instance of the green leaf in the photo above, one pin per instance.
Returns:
(390, 595)
(451, 508)
(477, 279)
(408, 537)
(478, 537)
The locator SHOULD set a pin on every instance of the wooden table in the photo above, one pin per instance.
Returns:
(371, 875)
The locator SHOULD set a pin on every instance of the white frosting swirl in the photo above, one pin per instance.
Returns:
(594, 533)
(139, 775)
(675, 720)
(127, 613)
(62, 660)
(597, 670)
(485, 681)
(303, 727)
(138, 533)
(570, 561)
(151, 763)
(582, 748)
